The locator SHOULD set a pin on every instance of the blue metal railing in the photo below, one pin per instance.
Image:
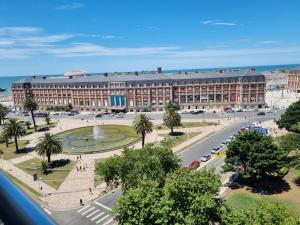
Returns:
(17, 208)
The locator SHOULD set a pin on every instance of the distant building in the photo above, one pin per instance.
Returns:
(294, 80)
(149, 91)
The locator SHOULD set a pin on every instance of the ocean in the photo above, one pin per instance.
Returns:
(6, 81)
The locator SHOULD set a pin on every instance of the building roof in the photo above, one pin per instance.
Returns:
(139, 77)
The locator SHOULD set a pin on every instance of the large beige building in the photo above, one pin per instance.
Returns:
(146, 91)
(294, 80)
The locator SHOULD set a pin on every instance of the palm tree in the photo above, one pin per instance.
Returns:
(15, 128)
(3, 113)
(143, 125)
(48, 145)
(31, 105)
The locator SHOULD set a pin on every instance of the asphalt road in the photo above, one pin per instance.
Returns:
(196, 151)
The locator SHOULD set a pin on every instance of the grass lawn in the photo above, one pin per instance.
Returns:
(54, 178)
(40, 127)
(22, 185)
(10, 151)
(98, 179)
(179, 137)
(242, 198)
(187, 125)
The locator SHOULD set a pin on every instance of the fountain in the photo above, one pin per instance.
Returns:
(97, 131)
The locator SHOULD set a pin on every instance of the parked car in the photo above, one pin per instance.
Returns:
(194, 164)
(239, 110)
(98, 115)
(185, 112)
(120, 115)
(215, 150)
(205, 158)
(197, 111)
(261, 114)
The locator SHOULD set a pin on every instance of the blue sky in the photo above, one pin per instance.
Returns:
(49, 37)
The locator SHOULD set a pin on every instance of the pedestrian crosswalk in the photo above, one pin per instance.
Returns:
(97, 213)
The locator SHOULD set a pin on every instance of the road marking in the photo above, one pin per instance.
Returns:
(108, 222)
(47, 211)
(92, 213)
(83, 208)
(87, 211)
(103, 206)
(102, 219)
(97, 216)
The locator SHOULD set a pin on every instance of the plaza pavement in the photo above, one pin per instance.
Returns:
(77, 184)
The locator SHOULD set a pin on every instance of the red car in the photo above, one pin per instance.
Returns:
(194, 164)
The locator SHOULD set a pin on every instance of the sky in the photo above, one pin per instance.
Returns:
(53, 37)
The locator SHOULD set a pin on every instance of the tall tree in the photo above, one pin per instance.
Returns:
(172, 106)
(4, 136)
(290, 119)
(255, 156)
(15, 129)
(48, 145)
(133, 167)
(172, 119)
(31, 105)
(3, 113)
(188, 197)
(143, 126)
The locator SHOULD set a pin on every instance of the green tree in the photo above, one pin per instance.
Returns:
(290, 119)
(44, 167)
(143, 126)
(4, 136)
(3, 113)
(172, 119)
(15, 129)
(188, 197)
(289, 141)
(31, 105)
(135, 166)
(172, 106)
(47, 120)
(255, 156)
(264, 213)
(48, 145)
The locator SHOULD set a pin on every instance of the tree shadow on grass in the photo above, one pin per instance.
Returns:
(59, 163)
(267, 186)
(24, 150)
(176, 134)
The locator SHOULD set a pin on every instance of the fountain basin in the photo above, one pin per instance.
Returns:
(83, 140)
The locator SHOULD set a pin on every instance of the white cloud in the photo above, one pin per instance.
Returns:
(268, 42)
(153, 28)
(19, 30)
(109, 37)
(211, 22)
(71, 6)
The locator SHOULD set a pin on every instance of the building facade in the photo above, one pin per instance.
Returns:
(294, 80)
(145, 92)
